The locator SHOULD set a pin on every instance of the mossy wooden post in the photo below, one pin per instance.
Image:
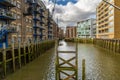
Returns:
(4, 59)
(106, 44)
(83, 70)
(24, 53)
(76, 60)
(32, 50)
(116, 45)
(29, 51)
(35, 49)
(39, 48)
(119, 47)
(109, 44)
(103, 44)
(19, 53)
(13, 55)
(57, 61)
(112, 45)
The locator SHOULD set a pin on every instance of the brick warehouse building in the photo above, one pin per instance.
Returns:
(70, 32)
(24, 20)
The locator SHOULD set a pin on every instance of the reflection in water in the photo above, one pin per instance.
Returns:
(100, 64)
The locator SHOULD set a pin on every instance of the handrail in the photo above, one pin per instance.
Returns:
(5, 29)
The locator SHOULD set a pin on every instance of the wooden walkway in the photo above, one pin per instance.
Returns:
(65, 69)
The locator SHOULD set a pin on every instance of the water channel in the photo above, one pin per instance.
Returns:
(100, 64)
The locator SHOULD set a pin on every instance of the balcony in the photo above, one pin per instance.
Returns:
(33, 2)
(12, 29)
(36, 26)
(28, 11)
(36, 18)
(42, 10)
(42, 28)
(42, 15)
(8, 3)
(37, 10)
(7, 29)
(7, 15)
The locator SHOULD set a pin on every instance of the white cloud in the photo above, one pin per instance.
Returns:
(71, 13)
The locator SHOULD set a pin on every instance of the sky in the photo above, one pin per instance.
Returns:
(69, 12)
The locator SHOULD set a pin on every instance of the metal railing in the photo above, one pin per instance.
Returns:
(4, 12)
(11, 2)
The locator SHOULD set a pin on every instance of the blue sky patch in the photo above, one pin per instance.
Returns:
(64, 2)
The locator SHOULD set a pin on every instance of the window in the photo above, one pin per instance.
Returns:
(111, 23)
(26, 20)
(111, 12)
(18, 5)
(111, 29)
(111, 18)
(18, 17)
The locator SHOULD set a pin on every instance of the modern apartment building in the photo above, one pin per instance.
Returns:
(86, 28)
(24, 20)
(108, 20)
(70, 32)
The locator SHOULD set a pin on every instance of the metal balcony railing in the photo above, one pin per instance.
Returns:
(5, 14)
(9, 3)
(6, 29)
(37, 18)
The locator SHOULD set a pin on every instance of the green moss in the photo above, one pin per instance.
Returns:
(80, 40)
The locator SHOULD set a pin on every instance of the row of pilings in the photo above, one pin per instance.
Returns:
(12, 59)
(108, 44)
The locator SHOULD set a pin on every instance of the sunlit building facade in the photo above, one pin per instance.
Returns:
(108, 20)
(86, 28)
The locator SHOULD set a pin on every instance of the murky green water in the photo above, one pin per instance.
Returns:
(100, 64)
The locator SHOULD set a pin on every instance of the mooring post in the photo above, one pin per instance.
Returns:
(119, 46)
(28, 43)
(24, 53)
(116, 46)
(19, 53)
(13, 55)
(37, 49)
(110, 45)
(32, 54)
(4, 58)
(83, 70)
(76, 60)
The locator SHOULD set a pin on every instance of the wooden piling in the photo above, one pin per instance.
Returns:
(19, 54)
(13, 56)
(83, 70)
(24, 53)
(4, 59)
